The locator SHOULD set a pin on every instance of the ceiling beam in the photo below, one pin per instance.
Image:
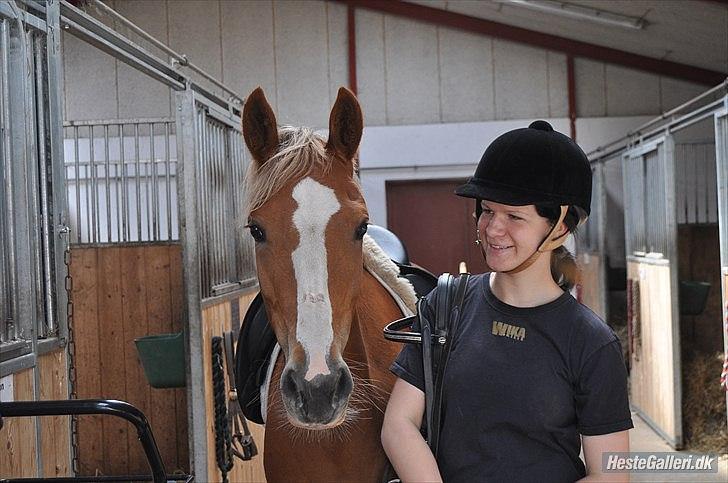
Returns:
(541, 40)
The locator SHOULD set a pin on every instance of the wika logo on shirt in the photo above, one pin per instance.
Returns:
(502, 329)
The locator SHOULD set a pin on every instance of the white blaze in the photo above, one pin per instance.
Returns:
(314, 328)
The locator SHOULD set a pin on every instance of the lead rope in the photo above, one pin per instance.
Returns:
(223, 441)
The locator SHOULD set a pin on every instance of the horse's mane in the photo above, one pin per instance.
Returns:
(300, 151)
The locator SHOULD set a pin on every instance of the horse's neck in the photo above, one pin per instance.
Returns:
(367, 345)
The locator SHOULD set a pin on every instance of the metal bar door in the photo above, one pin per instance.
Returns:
(652, 272)
(721, 157)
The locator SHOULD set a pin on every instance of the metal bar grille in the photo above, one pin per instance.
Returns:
(121, 178)
(28, 308)
(697, 196)
(214, 168)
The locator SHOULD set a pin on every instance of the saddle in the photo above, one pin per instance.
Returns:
(257, 340)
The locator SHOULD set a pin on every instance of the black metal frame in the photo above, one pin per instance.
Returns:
(110, 407)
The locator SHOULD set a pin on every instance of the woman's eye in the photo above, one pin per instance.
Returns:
(487, 211)
(361, 230)
(514, 217)
(256, 232)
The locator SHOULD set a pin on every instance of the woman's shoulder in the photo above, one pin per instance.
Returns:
(589, 331)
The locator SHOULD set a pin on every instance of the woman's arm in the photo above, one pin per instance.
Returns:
(406, 448)
(594, 446)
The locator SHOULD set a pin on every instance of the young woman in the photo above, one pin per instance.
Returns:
(533, 375)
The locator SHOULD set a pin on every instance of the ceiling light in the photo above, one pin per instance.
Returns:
(578, 11)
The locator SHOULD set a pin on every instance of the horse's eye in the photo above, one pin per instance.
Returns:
(361, 230)
(256, 232)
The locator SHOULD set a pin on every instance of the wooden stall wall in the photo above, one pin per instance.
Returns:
(698, 255)
(18, 437)
(592, 285)
(217, 319)
(654, 389)
(121, 293)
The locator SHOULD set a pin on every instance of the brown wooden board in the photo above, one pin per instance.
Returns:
(84, 271)
(217, 319)
(654, 374)
(436, 227)
(113, 371)
(55, 430)
(17, 437)
(162, 416)
(177, 304)
(135, 322)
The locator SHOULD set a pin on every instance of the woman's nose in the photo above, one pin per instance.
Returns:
(494, 226)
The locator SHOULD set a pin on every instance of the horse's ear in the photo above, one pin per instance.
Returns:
(345, 125)
(259, 127)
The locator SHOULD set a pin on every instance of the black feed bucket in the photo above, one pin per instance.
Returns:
(163, 359)
(693, 296)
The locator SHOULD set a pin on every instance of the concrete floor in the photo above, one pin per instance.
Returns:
(643, 438)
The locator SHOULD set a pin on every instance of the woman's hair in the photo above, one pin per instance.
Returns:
(564, 268)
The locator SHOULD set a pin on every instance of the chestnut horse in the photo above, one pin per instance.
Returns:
(331, 382)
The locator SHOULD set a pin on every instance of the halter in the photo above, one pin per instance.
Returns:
(547, 244)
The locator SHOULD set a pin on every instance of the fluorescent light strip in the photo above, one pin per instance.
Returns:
(578, 11)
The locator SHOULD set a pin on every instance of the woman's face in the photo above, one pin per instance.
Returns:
(510, 234)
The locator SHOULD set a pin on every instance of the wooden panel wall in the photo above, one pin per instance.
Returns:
(18, 437)
(55, 431)
(592, 285)
(653, 385)
(121, 293)
(216, 320)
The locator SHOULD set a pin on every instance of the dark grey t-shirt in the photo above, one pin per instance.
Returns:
(521, 385)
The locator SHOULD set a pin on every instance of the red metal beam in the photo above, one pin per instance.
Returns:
(541, 40)
(351, 27)
(571, 83)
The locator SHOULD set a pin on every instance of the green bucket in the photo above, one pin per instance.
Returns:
(693, 296)
(163, 359)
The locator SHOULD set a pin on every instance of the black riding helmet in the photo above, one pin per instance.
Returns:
(529, 166)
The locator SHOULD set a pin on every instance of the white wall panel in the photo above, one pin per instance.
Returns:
(631, 92)
(558, 85)
(90, 81)
(591, 90)
(302, 70)
(337, 47)
(194, 30)
(248, 57)
(370, 66)
(521, 85)
(467, 80)
(674, 92)
(139, 94)
(412, 72)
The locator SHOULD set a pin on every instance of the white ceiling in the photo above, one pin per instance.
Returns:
(692, 32)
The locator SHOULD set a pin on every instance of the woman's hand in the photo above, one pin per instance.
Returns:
(406, 448)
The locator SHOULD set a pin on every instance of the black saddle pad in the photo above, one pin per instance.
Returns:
(255, 344)
(257, 339)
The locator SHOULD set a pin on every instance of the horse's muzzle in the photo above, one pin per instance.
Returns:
(319, 403)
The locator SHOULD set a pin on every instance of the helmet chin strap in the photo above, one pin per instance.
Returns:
(546, 245)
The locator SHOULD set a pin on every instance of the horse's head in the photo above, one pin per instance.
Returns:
(307, 216)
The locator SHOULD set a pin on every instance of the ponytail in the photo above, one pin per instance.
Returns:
(564, 268)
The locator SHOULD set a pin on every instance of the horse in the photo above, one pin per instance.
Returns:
(328, 293)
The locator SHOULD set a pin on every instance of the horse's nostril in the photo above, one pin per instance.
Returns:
(343, 384)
